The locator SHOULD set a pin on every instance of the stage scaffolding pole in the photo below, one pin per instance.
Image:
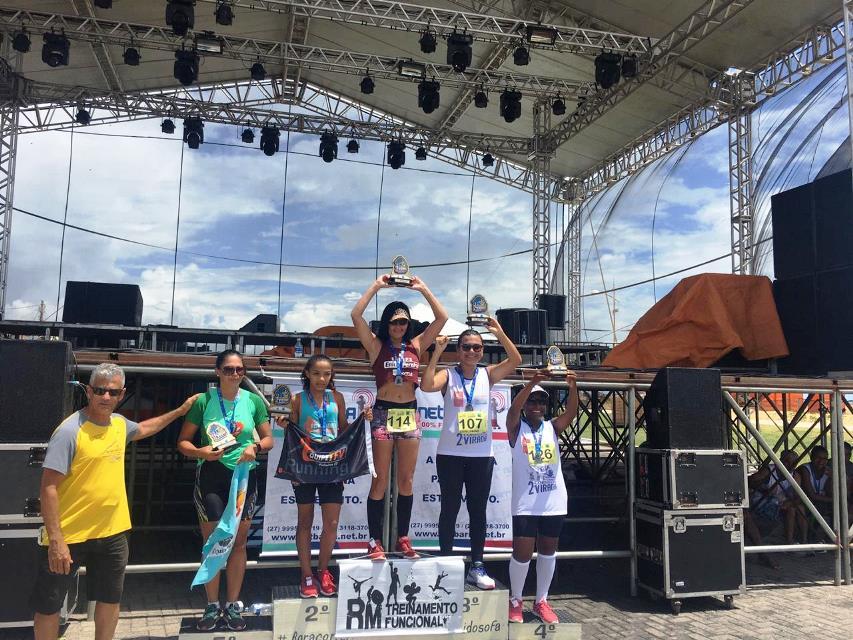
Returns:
(542, 197)
(741, 95)
(9, 116)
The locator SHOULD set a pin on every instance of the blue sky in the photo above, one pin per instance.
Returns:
(232, 197)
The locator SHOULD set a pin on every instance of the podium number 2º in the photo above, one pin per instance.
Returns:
(544, 630)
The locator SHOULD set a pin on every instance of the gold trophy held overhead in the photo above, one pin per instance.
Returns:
(555, 365)
(400, 276)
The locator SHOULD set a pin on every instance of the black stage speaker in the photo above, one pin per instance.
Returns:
(556, 307)
(102, 303)
(813, 227)
(35, 395)
(683, 409)
(834, 313)
(262, 323)
(507, 320)
(796, 303)
(532, 326)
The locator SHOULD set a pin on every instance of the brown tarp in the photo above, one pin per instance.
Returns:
(702, 319)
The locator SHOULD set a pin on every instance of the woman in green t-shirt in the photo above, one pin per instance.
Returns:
(234, 415)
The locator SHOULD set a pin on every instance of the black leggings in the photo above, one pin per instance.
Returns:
(476, 476)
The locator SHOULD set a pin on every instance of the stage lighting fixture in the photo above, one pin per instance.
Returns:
(329, 146)
(629, 66)
(83, 116)
(558, 107)
(104, 4)
(132, 57)
(396, 154)
(427, 41)
(352, 146)
(420, 153)
(21, 41)
(186, 66)
(481, 99)
(409, 69)
(537, 34)
(208, 42)
(167, 126)
(224, 13)
(459, 51)
(248, 136)
(180, 15)
(367, 85)
(55, 50)
(521, 57)
(258, 72)
(510, 105)
(428, 96)
(193, 132)
(488, 160)
(608, 68)
(269, 140)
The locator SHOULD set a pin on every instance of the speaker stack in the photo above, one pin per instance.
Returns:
(813, 263)
(690, 491)
(35, 396)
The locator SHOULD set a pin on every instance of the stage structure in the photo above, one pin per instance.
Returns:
(589, 95)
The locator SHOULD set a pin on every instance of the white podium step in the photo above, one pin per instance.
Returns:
(484, 615)
(257, 628)
(534, 629)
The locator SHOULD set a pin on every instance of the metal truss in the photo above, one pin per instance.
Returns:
(8, 153)
(541, 156)
(707, 18)
(403, 16)
(99, 49)
(250, 50)
(741, 88)
(574, 210)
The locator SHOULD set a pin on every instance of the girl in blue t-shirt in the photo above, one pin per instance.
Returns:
(320, 411)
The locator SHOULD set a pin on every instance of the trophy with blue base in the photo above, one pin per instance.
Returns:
(478, 309)
(400, 276)
(281, 397)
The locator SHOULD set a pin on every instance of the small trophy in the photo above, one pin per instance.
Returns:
(478, 315)
(281, 397)
(219, 436)
(556, 362)
(400, 276)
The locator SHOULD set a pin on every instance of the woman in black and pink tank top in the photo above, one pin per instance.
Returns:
(395, 357)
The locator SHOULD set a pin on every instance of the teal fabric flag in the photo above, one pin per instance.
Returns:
(218, 546)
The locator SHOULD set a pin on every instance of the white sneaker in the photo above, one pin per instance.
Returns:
(479, 578)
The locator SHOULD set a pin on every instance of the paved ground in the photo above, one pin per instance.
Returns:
(593, 593)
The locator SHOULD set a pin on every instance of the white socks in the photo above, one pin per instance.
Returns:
(517, 576)
(545, 566)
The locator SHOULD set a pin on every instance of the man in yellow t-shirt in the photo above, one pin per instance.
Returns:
(84, 503)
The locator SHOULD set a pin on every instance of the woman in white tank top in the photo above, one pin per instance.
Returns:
(539, 496)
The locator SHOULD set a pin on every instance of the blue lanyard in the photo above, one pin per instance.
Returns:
(398, 360)
(229, 422)
(469, 397)
(320, 414)
(537, 441)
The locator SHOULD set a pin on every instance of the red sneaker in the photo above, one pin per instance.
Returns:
(327, 583)
(404, 546)
(375, 550)
(545, 613)
(516, 613)
(308, 587)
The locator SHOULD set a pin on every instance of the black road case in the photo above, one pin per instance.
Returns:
(701, 478)
(20, 477)
(690, 553)
(18, 565)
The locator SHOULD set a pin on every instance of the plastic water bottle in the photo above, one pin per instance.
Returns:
(261, 609)
(298, 351)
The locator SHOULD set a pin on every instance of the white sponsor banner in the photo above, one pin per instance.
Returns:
(280, 513)
(400, 597)
(427, 494)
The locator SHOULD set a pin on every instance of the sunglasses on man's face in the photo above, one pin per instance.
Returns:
(472, 347)
(230, 371)
(99, 391)
(402, 322)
